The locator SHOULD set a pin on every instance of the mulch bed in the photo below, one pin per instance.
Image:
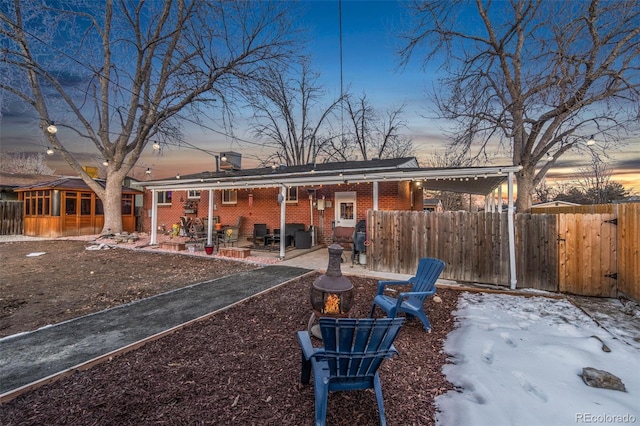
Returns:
(242, 366)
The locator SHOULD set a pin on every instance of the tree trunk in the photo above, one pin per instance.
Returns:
(112, 203)
(525, 189)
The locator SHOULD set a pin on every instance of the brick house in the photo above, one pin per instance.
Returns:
(318, 195)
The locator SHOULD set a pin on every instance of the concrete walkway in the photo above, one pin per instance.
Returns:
(35, 356)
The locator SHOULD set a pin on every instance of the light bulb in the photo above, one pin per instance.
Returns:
(52, 129)
(49, 151)
(156, 146)
(591, 141)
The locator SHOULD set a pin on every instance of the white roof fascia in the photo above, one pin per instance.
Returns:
(335, 177)
(282, 176)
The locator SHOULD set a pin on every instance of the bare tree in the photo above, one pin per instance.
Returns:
(26, 164)
(371, 134)
(532, 75)
(596, 183)
(452, 157)
(288, 115)
(544, 193)
(118, 74)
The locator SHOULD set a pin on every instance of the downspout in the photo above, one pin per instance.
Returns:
(313, 242)
(154, 218)
(512, 234)
(283, 212)
(210, 215)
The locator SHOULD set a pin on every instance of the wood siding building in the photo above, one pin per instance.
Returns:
(67, 207)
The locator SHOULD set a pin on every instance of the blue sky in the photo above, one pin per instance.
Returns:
(370, 65)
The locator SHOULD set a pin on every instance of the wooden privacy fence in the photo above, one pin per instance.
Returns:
(589, 254)
(12, 218)
(473, 245)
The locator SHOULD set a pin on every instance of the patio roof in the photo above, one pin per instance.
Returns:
(468, 180)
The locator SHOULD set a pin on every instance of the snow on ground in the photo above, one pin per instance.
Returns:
(517, 361)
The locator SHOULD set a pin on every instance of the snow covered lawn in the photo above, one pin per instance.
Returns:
(518, 360)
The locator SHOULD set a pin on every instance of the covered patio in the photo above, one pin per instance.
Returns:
(483, 181)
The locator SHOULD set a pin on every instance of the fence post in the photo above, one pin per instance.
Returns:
(512, 234)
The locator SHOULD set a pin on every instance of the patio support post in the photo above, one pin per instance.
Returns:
(375, 195)
(512, 234)
(283, 219)
(500, 199)
(210, 214)
(154, 218)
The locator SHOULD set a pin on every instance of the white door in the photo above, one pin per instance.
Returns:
(345, 206)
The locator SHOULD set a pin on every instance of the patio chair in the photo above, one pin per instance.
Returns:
(185, 226)
(411, 302)
(353, 351)
(260, 232)
(229, 236)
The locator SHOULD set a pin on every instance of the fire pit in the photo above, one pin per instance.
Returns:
(331, 293)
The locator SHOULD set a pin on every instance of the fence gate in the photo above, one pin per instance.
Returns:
(587, 254)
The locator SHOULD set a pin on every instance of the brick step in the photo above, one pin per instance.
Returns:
(237, 252)
(172, 245)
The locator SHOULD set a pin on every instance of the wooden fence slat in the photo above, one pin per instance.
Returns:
(628, 239)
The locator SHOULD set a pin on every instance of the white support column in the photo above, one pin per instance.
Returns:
(375, 196)
(492, 202)
(210, 217)
(283, 219)
(512, 234)
(154, 217)
(500, 199)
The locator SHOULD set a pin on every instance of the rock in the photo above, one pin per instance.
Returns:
(602, 379)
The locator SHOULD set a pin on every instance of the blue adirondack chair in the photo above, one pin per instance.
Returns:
(349, 360)
(412, 302)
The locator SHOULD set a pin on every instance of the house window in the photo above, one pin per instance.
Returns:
(229, 196)
(193, 194)
(37, 203)
(127, 204)
(85, 204)
(70, 203)
(164, 197)
(292, 194)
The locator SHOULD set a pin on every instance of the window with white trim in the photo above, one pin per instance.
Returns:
(163, 197)
(193, 194)
(229, 196)
(292, 194)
